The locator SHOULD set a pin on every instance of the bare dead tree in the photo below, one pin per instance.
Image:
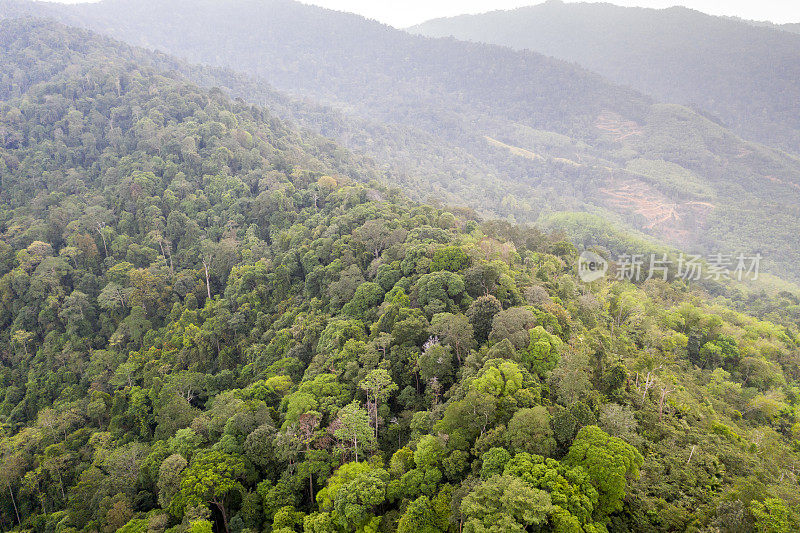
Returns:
(664, 391)
(99, 227)
(648, 382)
(208, 285)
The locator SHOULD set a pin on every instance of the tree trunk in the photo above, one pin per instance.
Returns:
(100, 231)
(221, 508)
(14, 503)
(375, 414)
(61, 483)
(208, 286)
(664, 393)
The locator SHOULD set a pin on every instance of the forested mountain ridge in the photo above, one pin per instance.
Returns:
(743, 73)
(328, 60)
(205, 325)
(509, 134)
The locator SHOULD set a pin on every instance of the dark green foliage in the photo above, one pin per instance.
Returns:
(481, 314)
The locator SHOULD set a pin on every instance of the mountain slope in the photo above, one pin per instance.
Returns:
(206, 326)
(329, 59)
(743, 74)
(511, 134)
(407, 86)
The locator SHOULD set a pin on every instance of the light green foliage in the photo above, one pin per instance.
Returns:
(499, 378)
(352, 493)
(318, 523)
(212, 477)
(298, 403)
(569, 488)
(139, 525)
(429, 453)
(504, 504)
(774, 516)
(327, 391)
(452, 258)
(379, 387)
(420, 481)
(338, 332)
(610, 463)
(426, 515)
(542, 352)
(287, 518)
(425, 477)
(672, 176)
(200, 526)
(494, 462)
(402, 460)
(340, 478)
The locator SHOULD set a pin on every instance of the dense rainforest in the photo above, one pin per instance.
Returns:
(210, 321)
(510, 134)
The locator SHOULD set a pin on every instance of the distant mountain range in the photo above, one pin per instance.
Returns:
(745, 74)
(791, 27)
(512, 134)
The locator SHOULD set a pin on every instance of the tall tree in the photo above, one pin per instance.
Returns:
(212, 478)
(379, 387)
(352, 427)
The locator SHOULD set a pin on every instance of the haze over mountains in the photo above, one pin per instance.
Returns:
(510, 133)
(746, 75)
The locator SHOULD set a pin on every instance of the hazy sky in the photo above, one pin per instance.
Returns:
(407, 12)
